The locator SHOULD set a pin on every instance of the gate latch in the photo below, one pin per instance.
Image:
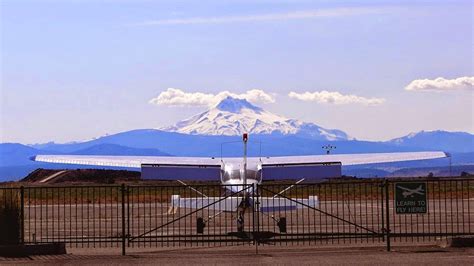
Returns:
(200, 224)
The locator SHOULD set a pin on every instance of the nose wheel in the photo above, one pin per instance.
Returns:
(243, 206)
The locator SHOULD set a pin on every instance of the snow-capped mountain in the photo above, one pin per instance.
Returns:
(236, 116)
(437, 140)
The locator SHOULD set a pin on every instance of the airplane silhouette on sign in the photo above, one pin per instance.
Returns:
(411, 192)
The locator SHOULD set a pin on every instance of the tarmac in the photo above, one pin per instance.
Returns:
(246, 255)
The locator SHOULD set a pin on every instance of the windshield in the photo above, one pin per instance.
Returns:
(234, 172)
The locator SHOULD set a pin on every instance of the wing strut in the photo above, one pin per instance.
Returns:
(288, 188)
(174, 209)
(193, 189)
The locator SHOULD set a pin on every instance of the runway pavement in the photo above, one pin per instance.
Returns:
(93, 222)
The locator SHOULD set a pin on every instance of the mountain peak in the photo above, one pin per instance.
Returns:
(443, 140)
(235, 116)
(235, 105)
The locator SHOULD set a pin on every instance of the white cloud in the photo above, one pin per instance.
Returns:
(441, 84)
(177, 97)
(334, 97)
(328, 12)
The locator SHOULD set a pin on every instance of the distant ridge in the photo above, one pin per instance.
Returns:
(437, 140)
(15, 162)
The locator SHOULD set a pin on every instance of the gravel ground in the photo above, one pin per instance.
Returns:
(244, 255)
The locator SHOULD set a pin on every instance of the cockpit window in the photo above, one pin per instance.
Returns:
(236, 172)
(231, 172)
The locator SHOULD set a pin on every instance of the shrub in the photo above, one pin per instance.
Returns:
(10, 219)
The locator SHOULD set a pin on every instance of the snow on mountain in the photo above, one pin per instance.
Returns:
(437, 140)
(236, 116)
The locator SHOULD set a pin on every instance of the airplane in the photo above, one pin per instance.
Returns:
(240, 175)
(410, 192)
(235, 171)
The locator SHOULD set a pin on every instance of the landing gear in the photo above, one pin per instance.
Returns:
(243, 206)
(240, 222)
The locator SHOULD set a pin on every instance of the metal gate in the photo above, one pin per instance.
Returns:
(282, 213)
(202, 215)
(449, 211)
(331, 212)
(346, 212)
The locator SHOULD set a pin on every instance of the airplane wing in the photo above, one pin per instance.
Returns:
(209, 168)
(127, 161)
(315, 167)
(355, 159)
(137, 161)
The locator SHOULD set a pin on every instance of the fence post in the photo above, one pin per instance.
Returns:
(256, 210)
(382, 203)
(22, 214)
(123, 219)
(128, 215)
(387, 213)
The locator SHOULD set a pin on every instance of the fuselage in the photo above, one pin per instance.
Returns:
(235, 173)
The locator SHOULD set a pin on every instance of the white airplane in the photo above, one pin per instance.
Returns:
(239, 175)
(242, 170)
(410, 192)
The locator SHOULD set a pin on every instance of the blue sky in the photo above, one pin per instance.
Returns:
(74, 70)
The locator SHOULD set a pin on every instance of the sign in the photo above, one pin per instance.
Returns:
(410, 198)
